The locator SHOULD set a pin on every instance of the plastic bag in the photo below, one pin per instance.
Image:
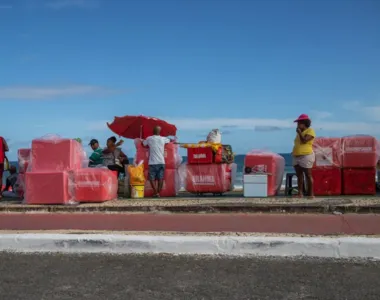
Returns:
(228, 156)
(214, 136)
(23, 156)
(328, 152)
(136, 174)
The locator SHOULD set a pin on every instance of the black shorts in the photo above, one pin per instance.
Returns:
(156, 172)
(117, 168)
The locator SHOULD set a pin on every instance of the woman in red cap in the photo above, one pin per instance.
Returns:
(303, 154)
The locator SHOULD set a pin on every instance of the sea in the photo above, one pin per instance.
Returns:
(239, 160)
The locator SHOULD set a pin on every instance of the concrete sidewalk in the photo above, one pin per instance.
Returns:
(344, 247)
(228, 203)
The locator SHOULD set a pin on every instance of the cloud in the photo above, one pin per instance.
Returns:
(208, 124)
(36, 93)
(275, 124)
(194, 124)
(40, 126)
(320, 115)
(225, 132)
(248, 123)
(351, 105)
(371, 112)
(84, 4)
(204, 135)
(267, 128)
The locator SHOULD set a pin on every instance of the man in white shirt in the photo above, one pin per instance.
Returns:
(156, 144)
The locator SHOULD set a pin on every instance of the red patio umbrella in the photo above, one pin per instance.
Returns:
(132, 127)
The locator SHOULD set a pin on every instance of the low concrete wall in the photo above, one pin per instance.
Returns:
(192, 245)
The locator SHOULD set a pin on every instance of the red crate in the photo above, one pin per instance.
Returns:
(95, 185)
(327, 181)
(199, 155)
(59, 155)
(359, 152)
(359, 181)
(170, 186)
(210, 178)
(47, 188)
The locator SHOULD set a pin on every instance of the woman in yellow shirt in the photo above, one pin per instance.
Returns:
(303, 154)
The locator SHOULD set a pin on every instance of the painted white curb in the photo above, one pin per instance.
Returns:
(344, 247)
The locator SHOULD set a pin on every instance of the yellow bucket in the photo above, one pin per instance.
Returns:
(137, 191)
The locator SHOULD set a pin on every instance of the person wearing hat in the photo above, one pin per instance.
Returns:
(96, 157)
(303, 154)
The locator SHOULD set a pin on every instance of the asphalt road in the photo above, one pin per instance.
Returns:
(59, 276)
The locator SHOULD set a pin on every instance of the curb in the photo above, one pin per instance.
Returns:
(201, 208)
(345, 247)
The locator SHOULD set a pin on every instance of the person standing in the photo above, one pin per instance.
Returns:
(156, 144)
(303, 154)
(3, 148)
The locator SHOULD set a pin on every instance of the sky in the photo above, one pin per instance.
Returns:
(247, 67)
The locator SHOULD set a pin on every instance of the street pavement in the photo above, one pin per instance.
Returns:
(100, 277)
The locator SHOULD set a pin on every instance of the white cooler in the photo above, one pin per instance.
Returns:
(255, 185)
